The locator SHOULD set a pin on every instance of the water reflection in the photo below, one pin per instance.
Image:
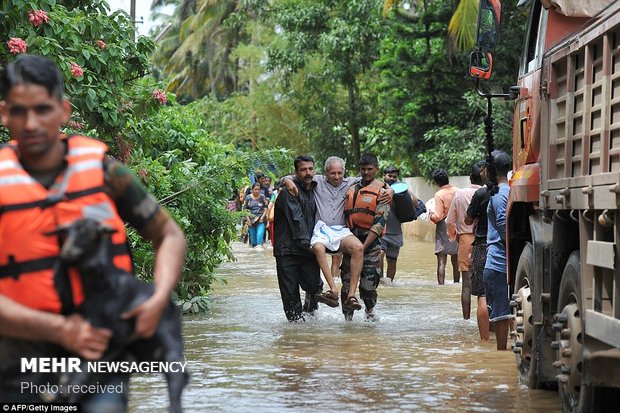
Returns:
(419, 356)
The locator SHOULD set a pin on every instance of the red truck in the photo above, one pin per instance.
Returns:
(563, 229)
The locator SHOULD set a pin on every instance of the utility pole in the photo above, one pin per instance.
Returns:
(132, 15)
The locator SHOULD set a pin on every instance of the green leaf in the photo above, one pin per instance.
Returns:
(90, 101)
(92, 94)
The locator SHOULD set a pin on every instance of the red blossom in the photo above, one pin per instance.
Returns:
(38, 17)
(101, 44)
(160, 96)
(76, 70)
(142, 173)
(16, 45)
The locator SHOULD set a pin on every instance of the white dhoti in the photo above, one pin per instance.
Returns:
(329, 236)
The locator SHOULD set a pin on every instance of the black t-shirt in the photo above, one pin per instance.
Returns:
(477, 209)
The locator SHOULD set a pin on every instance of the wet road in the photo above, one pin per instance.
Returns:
(420, 356)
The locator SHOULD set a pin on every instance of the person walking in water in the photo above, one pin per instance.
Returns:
(443, 246)
(392, 241)
(495, 270)
(463, 233)
(256, 203)
(296, 265)
(477, 215)
(330, 232)
(366, 218)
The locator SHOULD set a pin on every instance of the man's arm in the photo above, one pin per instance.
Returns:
(500, 216)
(472, 210)
(73, 333)
(137, 207)
(292, 188)
(170, 245)
(436, 216)
(378, 224)
(451, 219)
(296, 220)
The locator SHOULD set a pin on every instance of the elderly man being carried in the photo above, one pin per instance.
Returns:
(331, 235)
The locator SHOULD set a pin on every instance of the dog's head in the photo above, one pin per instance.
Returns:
(82, 239)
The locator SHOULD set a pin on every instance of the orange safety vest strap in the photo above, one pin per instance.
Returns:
(14, 269)
(51, 200)
(363, 210)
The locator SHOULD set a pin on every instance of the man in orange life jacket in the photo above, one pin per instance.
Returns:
(48, 179)
(366, 218)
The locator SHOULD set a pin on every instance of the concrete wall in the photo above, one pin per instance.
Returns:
(423, 228)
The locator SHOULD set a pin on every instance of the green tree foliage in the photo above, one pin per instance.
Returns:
(192, 174)
(95, 52)
(196, 51)
(429, 112)
(462, 28)
(342, 39)
(174, 149)
(419, 89)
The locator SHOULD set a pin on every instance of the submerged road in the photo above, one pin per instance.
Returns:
(420, 356)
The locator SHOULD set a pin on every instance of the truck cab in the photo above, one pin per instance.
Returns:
(563, 233)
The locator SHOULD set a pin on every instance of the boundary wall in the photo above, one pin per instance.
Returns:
(425, 190)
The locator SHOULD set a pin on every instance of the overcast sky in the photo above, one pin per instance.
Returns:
(142, 10)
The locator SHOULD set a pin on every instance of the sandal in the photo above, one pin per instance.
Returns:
(351, 304)
(328, 297)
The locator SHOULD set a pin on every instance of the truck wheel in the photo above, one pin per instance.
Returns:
(524, 347)
(569, 339)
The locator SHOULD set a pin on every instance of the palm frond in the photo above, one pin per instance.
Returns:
(462, 27)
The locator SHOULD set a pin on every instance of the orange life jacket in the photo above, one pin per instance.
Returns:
(360, 204)
(29, 259)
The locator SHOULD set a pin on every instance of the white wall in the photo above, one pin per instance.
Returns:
(425, 191)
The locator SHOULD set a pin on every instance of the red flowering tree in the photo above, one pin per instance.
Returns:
(169, 146)
(96, 52)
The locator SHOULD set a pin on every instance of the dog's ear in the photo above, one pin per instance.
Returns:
(59, 230)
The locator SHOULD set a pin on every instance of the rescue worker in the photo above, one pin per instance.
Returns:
(48, 179)
(296, 265)
(366, 219)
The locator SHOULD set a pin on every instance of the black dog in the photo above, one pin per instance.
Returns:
(109, 292)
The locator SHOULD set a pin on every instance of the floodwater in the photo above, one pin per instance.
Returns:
(420, 356)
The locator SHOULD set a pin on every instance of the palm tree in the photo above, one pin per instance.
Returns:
(196, 53)
(462, 27)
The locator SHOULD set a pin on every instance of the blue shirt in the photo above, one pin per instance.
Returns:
(496, 233)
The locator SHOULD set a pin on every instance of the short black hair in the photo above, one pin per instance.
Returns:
(391, 169)
(35, 70)
(368, 159)
(474, 176)
(256, 184)
(302, 158)
(440, 176)
(501, 162)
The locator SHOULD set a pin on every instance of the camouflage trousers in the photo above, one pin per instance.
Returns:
(369, 280)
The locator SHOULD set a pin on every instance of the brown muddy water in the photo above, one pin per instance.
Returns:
(420, 356)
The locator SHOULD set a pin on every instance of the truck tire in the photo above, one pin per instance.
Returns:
(525, 346)
(568, 329)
